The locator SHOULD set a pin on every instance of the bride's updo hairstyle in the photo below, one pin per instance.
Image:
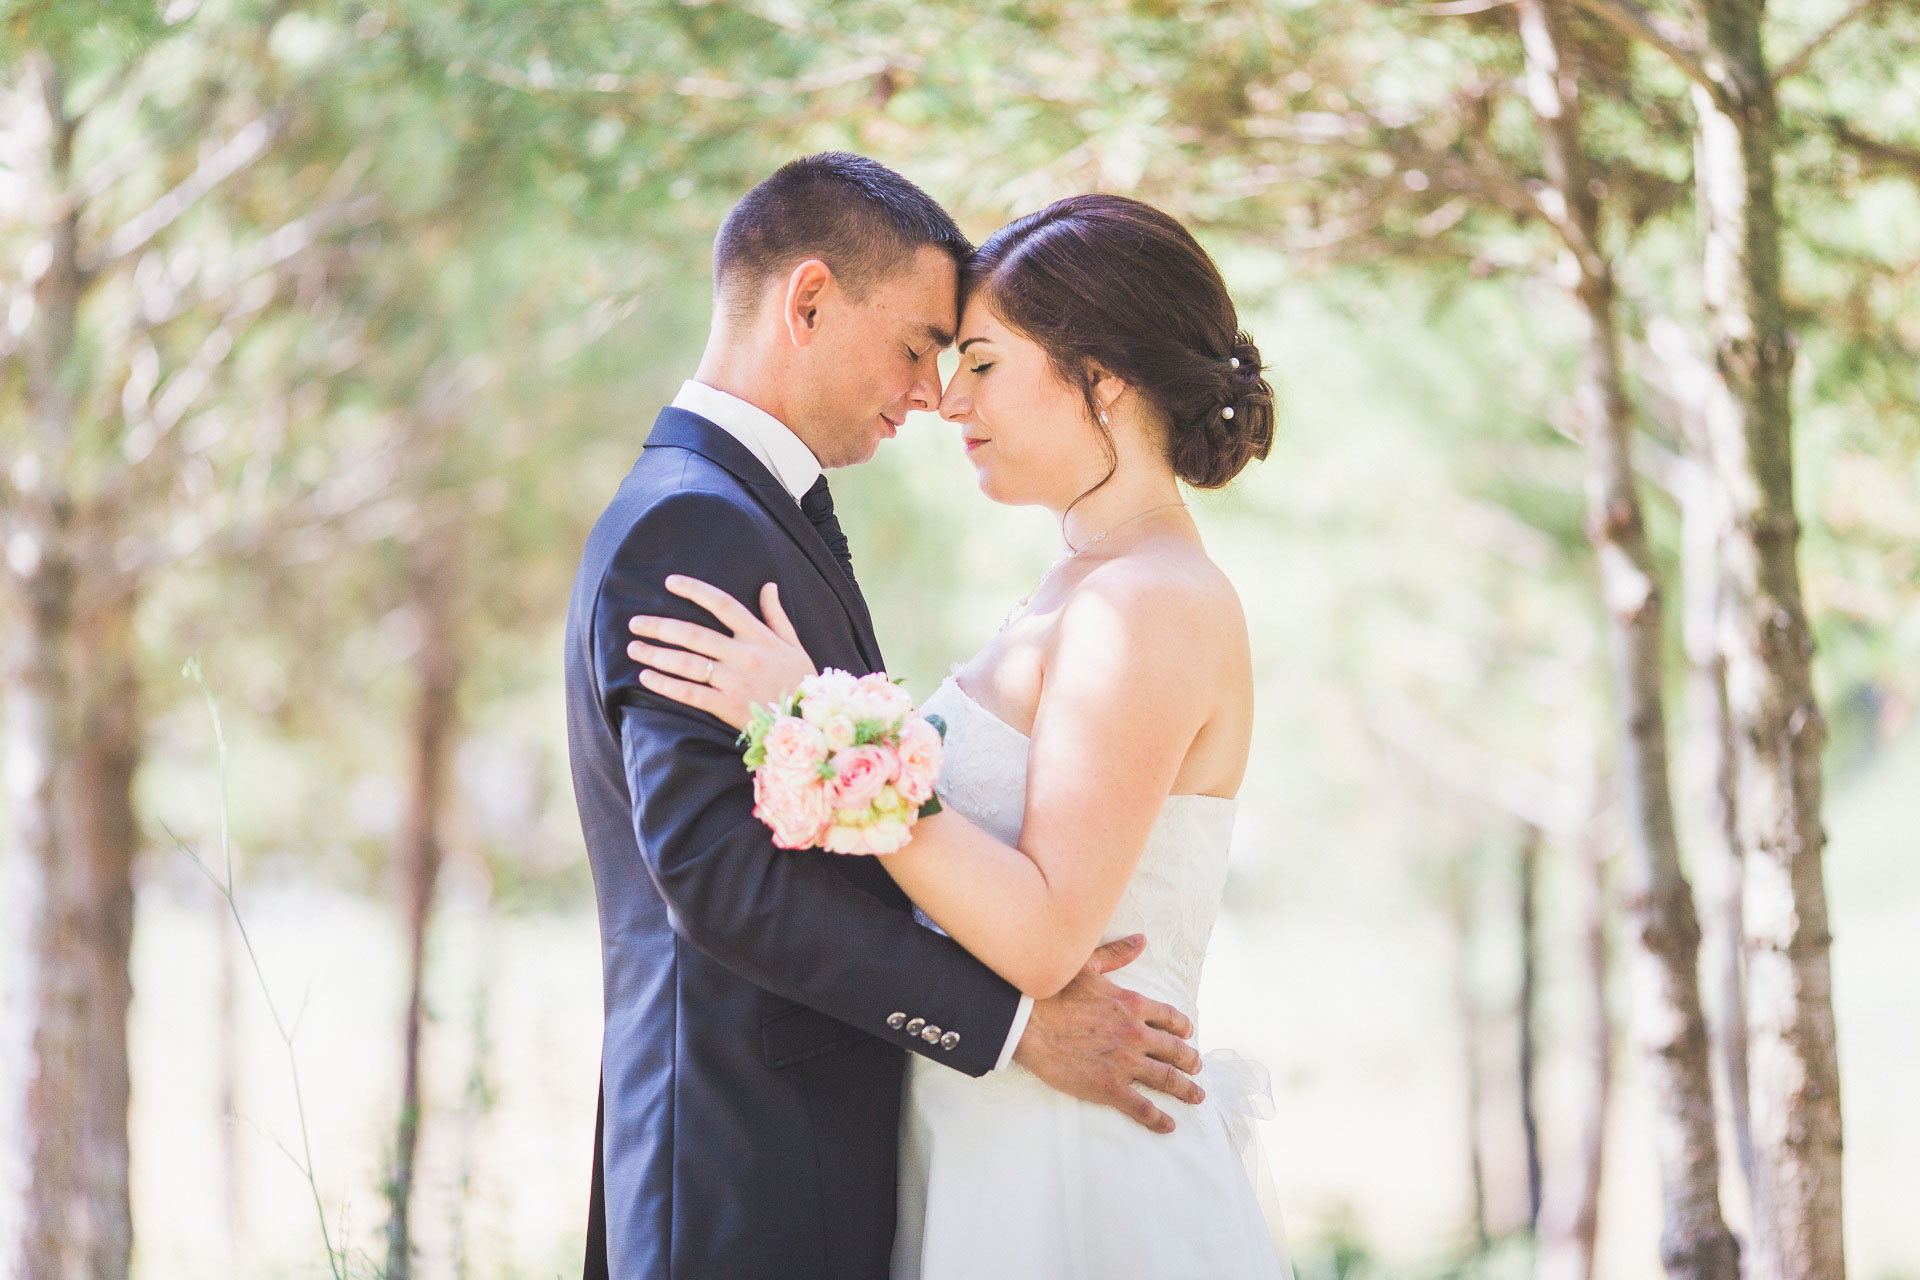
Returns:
(1103, 282)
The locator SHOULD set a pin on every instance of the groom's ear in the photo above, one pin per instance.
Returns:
(807, 286)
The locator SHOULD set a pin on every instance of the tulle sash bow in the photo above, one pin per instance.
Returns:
(1243, 1091)
(1242, 1088)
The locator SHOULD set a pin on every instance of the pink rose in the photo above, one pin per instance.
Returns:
(879, 836)
(921, 754)
(889, 835)
(795, 746)
(838, 731)
(859, 773)
(875, 697)
(825, 695)
(793, 804)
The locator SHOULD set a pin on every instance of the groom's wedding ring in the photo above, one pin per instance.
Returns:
(708, 678)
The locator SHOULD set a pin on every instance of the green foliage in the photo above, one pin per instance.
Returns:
(496, 219)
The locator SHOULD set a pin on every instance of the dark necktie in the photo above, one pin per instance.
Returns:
(818, 507)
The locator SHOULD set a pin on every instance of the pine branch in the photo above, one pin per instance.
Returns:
(1798, 62)
(1670, 38)
(1469, 769)
(271, 253)
(1892, 155)
(1456, 8)
(238, 152)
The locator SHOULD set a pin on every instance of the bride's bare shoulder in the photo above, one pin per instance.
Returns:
(1172, 591)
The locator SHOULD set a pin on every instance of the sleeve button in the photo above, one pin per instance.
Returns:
(931, 1035)
(913, 1028)
(950, 1039)
(896, 1020)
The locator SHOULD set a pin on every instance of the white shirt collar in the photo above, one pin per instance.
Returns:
(765, 436)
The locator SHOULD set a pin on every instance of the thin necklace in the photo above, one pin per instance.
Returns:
(1020, 605)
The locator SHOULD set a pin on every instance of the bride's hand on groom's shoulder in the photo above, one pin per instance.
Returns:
(1096, 1040)
(723, 673)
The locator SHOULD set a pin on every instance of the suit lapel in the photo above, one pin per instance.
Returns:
(677, 428)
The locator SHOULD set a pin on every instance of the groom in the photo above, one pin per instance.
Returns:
(760, 1002)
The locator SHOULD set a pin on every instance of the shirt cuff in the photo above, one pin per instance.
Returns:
(1014, 1033)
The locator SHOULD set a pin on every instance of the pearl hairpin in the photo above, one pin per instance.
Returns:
(1227, 412)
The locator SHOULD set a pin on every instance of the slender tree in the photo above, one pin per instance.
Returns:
(136, 293)
(436, 663)
(1794, 1077)
(1669, 1023)
(1682, 380)
(1570, 1205)
(1527, 1009)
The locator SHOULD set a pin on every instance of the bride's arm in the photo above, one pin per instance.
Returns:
(1122, 700)
(1124, 695)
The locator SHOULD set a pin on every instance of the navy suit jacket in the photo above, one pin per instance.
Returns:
(750, 1078)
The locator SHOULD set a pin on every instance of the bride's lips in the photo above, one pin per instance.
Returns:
(972, 443)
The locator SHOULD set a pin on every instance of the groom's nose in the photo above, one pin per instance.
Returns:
(927, 391)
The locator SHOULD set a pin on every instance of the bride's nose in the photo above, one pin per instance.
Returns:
(955, 404)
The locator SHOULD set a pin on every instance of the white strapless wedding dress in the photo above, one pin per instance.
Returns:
(1002, 1177)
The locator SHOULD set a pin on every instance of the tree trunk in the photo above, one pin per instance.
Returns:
(1710, 748)
(1570, 1214)
(107, 838)
(1467, 1012)
(1709, 752)
(72, 746)
(1530, 839)
(1777, 726)
(1670, 1028)
(437, 673)
(50, 1229)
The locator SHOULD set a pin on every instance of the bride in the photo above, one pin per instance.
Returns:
(1094, 748)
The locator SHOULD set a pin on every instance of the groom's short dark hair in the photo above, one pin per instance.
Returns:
(854, 214)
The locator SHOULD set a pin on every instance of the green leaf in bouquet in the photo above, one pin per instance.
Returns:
(754, 736)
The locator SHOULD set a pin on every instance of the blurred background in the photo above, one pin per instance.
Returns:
(328, 328)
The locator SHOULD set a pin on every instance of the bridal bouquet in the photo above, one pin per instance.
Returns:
(844, 764)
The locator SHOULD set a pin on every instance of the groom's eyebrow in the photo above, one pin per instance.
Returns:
(936, 335)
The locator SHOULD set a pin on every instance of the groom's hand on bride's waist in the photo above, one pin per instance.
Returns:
(1097, 1040)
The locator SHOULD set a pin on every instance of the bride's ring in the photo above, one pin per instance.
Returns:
(708, 678)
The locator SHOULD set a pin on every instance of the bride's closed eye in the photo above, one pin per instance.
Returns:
(981, 368)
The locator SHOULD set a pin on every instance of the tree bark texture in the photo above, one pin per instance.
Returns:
(1570, 1209)
(1714, 786)
(73, 746)
(437, 677)
(1664, 930)
(1793, 1069)
(73, 743)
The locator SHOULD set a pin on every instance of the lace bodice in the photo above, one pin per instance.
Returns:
(1174, 895)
